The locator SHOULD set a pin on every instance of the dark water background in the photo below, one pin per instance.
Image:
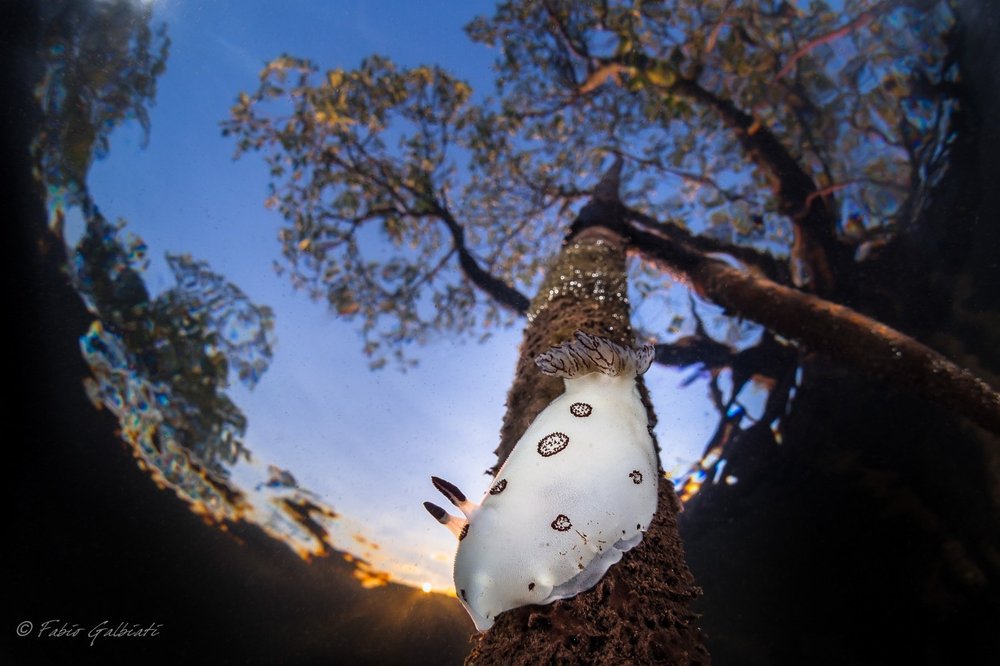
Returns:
(873, 542)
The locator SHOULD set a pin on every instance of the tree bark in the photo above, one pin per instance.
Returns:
(640, 611)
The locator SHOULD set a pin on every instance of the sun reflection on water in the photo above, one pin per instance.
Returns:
(252, 491)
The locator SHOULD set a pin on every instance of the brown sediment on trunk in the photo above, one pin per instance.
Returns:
(640, 611)
(638, 614)
(580, 293)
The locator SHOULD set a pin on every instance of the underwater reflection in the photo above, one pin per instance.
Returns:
(161, 365)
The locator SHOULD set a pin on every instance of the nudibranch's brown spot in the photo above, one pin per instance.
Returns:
(580, 409)
(561, 523)
(498, 487)
(552, 444)
(636, 476)
(465, 531)
(531, 586)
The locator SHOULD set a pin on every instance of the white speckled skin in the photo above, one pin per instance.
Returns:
(577, 491)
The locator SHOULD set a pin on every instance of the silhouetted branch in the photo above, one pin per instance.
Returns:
(578, 50)
(813, 222)
(693, 349)
(754, 259)
(834, 330)
(687, 176)
(859, 21)
(814, 248)
(496, 288)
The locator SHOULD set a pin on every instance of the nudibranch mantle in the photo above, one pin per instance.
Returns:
(577, 491)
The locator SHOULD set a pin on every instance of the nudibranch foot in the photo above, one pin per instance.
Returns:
(594, 571)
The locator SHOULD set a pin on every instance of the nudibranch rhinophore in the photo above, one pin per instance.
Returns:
(577, 491)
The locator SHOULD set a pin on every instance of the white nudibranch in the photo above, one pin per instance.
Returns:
(577, 491)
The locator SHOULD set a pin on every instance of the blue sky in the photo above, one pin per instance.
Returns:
(365, 441)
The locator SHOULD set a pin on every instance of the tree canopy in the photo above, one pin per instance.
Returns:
(799, 142)
(798, 146)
